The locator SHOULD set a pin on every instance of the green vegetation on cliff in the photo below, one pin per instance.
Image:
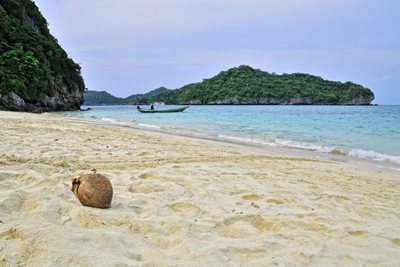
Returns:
(32, 63)
(245, 85)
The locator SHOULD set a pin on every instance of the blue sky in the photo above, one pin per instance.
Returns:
(134, 46)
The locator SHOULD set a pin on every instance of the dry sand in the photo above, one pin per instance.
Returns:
(185, 202)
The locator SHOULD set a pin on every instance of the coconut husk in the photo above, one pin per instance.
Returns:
(93, 190)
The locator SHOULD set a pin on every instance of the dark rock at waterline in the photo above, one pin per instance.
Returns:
(12, 102)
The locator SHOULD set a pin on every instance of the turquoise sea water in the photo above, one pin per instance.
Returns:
(357, 131)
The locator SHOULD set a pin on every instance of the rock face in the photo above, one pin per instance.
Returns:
(36, 74)
(58, 102)
(361, 100)
(11, 102)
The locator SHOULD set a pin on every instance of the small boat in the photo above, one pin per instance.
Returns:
(162, 110)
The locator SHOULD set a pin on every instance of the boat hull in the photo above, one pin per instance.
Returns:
(162, 110)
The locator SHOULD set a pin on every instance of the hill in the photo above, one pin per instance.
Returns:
(245, 85)
(98, 98)
(36, 74)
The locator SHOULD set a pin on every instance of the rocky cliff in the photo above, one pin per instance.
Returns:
(36, 74)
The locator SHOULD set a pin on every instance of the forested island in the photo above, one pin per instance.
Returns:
(245, 85)
(99, 98)
(36, 74)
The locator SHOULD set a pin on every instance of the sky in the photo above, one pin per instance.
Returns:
(133, 46)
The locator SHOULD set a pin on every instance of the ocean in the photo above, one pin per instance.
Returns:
(370, 132)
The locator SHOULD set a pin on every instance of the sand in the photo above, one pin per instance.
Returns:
(179, 201)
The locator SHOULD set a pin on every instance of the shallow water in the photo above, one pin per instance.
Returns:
(358, 131)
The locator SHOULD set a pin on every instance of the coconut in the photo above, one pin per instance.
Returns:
(93, 190)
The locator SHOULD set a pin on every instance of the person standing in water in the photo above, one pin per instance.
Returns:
(152, 107)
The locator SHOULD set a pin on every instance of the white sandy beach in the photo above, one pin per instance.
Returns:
(185, 202)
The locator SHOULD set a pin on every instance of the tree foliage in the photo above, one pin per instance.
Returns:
(245, 85)
(98, 98)
(32, 63)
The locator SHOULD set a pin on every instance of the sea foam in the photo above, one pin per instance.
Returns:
(113, 121)
(356, 153)
(144, 125)
(365, 154)
(245, 140)
(304, 145)
(108, 119)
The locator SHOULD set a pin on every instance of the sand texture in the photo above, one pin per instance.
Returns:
(185, 202)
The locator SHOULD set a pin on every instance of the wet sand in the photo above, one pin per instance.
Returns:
(186, 202)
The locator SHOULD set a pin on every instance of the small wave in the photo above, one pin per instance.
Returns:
(288, 144)
(201, 134)
(108, 120)
(338, 151)
(307, 146)
(113, 121)
(149, 126)
(357, 153)
(245, 140)
(365, 154)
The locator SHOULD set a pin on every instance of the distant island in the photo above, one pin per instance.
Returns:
(100, 98)
(245, 85)
(36, 74)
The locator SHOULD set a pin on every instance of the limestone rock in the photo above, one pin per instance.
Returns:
(12, 102)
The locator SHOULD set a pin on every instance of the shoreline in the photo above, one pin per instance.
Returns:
(385, 153)
(185, 201)
(373, 164)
